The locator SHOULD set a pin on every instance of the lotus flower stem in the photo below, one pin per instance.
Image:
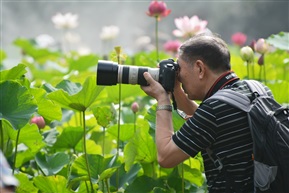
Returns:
(103, 142)
(107, 186)
(85, 152)
(253, 73)
(2, 136)
(118, 121)
(16, 148)
(248, 75)
(183, 179)
(157, 39)
(265, 80)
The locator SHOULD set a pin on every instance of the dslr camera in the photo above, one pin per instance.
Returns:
(110, 73)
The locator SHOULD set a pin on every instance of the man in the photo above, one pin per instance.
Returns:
(204, 62)
(8, 182)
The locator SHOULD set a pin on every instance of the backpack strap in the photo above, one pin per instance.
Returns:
(241, 102)
(233, 98)
(256, 87)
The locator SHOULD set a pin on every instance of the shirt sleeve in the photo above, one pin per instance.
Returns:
(6, 177)
(197, 133)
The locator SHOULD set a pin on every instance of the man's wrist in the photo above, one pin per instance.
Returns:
(164, 107)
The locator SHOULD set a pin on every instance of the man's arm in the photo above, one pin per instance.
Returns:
(183, 102)
(169, 155)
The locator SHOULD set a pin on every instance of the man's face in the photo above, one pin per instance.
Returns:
(188, 76)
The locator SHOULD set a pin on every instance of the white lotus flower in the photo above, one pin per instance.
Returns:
(65, 21)
(109, 32)
(72, 38)
(45, 41)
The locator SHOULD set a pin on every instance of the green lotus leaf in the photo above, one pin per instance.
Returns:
(17, 104)
(79, 101)
(151, 117)
(3, 56)
(13, 73)
(49, 184)
(69, 137)
(47, 108)
(104, 115)
(141, 184)
(51, 164)
(97, 165)
(140, 148)
(25, 185)
(126, 131)
(280, 40)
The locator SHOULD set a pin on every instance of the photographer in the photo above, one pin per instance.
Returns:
(8, 182)
(204, 63)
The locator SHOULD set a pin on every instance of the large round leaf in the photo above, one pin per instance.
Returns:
(51, 164)
(79, 101)
(49, 184)
(17, 104)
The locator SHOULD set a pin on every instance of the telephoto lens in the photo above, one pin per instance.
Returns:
(110, 73)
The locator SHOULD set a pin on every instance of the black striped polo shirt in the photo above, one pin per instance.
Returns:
(225, 130)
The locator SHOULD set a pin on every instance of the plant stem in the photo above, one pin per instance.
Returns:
(103, 141)
(183, 180)
(2, 136)
(16, 148)
(260, 73)
(157, 38)
(107, 186)
(85, 152)
(265, 80)
(118, 125)
(247, 64)
(154, 175)
(134, 121)
(253, 73)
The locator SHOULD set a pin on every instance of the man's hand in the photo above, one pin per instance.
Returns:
(155, 89)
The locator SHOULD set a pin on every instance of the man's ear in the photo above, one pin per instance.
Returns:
(201, 68)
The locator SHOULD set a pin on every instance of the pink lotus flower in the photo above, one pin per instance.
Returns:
(239, 38)
(135, 107)
(261, 46)
(39, 121)
(158, 9)
(172, 46)
(188, 27)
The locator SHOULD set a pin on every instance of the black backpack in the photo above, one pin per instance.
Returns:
(269, 125)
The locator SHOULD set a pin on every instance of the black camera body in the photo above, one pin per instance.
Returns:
(110, 73)
(167, 75)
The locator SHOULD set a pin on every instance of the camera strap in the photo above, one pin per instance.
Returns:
(180, 113)
(226, 79)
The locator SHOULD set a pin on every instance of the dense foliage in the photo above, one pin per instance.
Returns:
(91, 140)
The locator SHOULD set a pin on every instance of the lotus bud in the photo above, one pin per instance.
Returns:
(39, 121)
(135, 107)
(261, 60)
(117, 50)
(247, 54)
(261, 46)
(158, 9)
(252, 45)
